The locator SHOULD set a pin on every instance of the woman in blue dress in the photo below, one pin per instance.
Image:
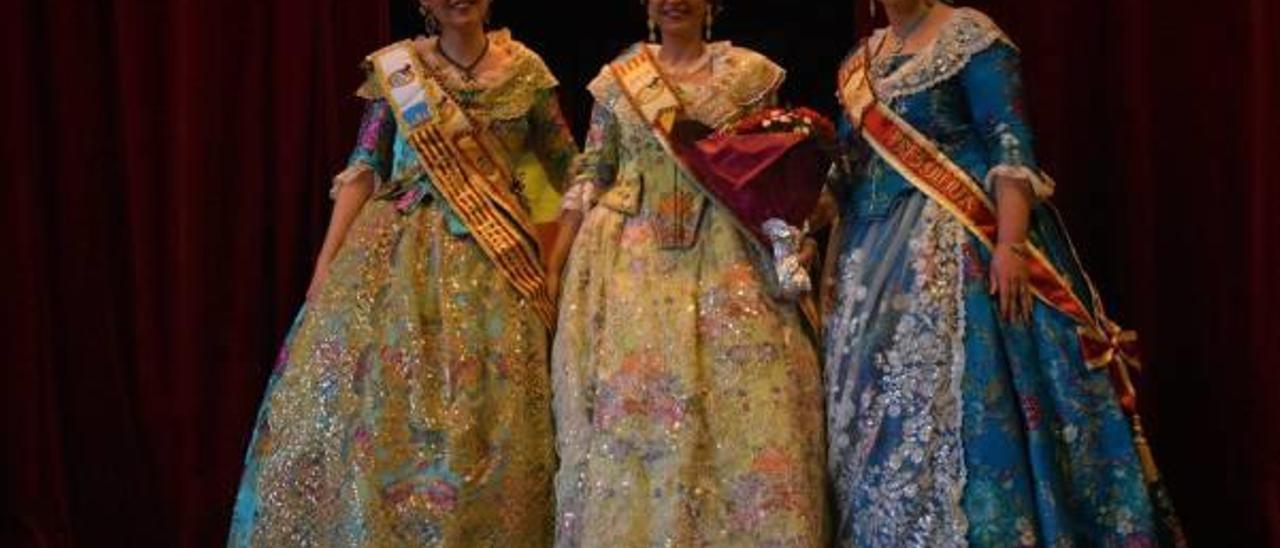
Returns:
(964, 404)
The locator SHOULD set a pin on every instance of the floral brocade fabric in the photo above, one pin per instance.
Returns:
(411, 402)
(688, 399)
(947, 425)
(517, 102)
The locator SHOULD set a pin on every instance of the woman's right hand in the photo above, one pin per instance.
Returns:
(1010, 282)
(568, 223)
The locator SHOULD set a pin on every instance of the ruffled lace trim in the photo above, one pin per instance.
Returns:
(740, 78)
(968, 33)
(348, 175)
(506, 93)
(1040, 184)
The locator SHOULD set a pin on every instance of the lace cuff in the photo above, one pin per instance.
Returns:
(579, 197)
(356, 169)
(1039, 183)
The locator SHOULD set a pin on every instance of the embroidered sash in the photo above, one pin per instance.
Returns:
(653, 98)
(467, 167)
(656, 102)
(922, 163)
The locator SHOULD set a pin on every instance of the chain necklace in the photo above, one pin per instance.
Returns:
(909, 30)
(468, 70)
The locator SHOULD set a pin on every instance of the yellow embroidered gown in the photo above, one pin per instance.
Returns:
(410, 404)
(688, 401)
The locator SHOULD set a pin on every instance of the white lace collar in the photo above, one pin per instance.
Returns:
(967, 33)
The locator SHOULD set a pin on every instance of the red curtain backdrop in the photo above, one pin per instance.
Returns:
(167, 169)
(1159, 119)
(167, 165)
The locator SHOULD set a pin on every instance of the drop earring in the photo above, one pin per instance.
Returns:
(711, 21)
(653, 32)
(428, 20)
(873, 10)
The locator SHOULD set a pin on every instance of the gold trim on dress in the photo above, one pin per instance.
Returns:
(466, 166)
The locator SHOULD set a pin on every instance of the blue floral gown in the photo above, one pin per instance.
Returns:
(948, 426)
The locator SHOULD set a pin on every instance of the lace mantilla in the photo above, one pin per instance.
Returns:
(968, 33)
(505, 93)
(740, 78)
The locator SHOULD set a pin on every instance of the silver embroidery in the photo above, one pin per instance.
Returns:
(897, 449)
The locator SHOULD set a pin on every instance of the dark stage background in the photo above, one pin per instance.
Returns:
(167, 164)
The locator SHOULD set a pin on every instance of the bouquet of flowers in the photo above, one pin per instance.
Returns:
(803, 121)
(768, 169)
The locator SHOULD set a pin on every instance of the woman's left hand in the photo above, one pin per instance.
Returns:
(1010, 280)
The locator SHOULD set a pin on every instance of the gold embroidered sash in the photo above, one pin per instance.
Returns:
(467, 167)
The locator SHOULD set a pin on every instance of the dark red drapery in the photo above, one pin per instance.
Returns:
(1160, 121)
(167, 166)
(168, 162)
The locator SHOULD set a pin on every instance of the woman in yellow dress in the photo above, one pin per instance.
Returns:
(411, 402)
(687, 397)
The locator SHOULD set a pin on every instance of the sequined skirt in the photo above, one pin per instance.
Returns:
(688, 401)
(410, 404)
(950, 426)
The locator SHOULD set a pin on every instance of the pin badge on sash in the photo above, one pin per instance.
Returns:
(406, 91)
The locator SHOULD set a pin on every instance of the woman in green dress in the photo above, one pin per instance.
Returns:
(411, 402)
(687, 397)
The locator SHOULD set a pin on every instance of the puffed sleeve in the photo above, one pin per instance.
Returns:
(993, 82)
(551, 140)
(373, 147)
(597, 166)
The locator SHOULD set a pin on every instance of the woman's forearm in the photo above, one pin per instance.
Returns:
(1013, 207)
(825, 212)
(348, 201)
(567, 230)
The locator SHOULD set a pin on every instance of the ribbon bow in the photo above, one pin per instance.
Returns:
(1110, 346)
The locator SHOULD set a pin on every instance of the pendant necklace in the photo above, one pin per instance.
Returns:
(468, 69)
